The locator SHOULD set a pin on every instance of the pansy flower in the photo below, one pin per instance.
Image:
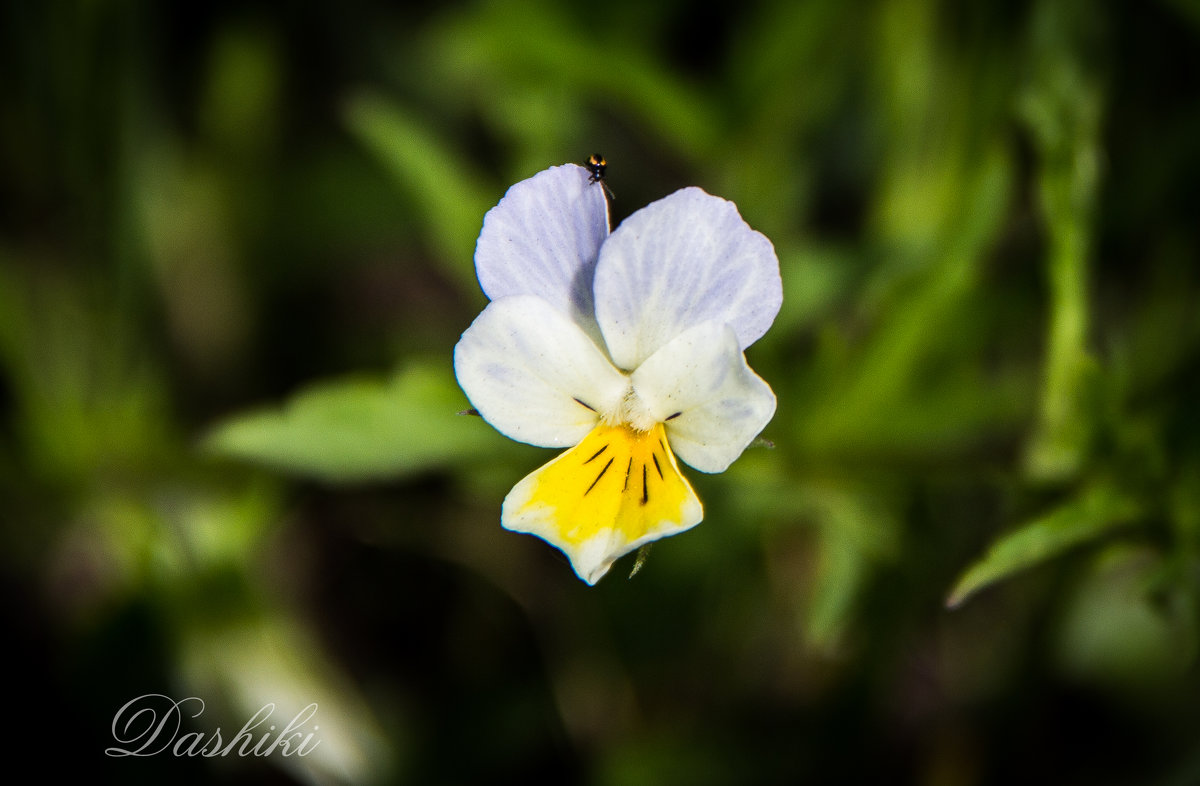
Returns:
(624, 347)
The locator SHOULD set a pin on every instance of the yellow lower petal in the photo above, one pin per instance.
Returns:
(614, 491)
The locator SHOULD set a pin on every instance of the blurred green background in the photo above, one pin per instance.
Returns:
(235, 255)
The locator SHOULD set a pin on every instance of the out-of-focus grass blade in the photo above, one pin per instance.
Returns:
(1096, 511)
(502, 48)
(868, 391)
(858, 532)
(354, 430)
(82, 396)
(1062, 108)
(1188, 9)
(452, 198)
(765, 161)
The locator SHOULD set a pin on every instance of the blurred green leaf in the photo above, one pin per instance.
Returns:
(272, 663)
(1099, 509)
(1115, 631)
(355, 430)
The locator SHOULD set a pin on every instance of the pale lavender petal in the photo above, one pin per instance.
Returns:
(543, 239)
(683, 260)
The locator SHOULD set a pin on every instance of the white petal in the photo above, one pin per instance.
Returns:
(712, 403)
(685, 259)
(543, 239)
(533, 373)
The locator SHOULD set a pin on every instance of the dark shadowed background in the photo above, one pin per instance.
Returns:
(236, 253)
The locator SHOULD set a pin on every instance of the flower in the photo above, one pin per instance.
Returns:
(624, 347)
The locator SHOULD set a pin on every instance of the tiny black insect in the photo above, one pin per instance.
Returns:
(596, 165)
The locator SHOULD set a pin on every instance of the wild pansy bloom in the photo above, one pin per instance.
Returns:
(624, 347)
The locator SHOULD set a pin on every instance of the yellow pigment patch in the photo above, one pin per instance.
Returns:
(614, 491)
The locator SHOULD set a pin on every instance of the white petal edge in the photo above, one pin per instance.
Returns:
(686, 259)
(712, 403)
(533, 374)
(543, 239)
(592, 559)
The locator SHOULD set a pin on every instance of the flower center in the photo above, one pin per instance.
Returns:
(631, 411)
